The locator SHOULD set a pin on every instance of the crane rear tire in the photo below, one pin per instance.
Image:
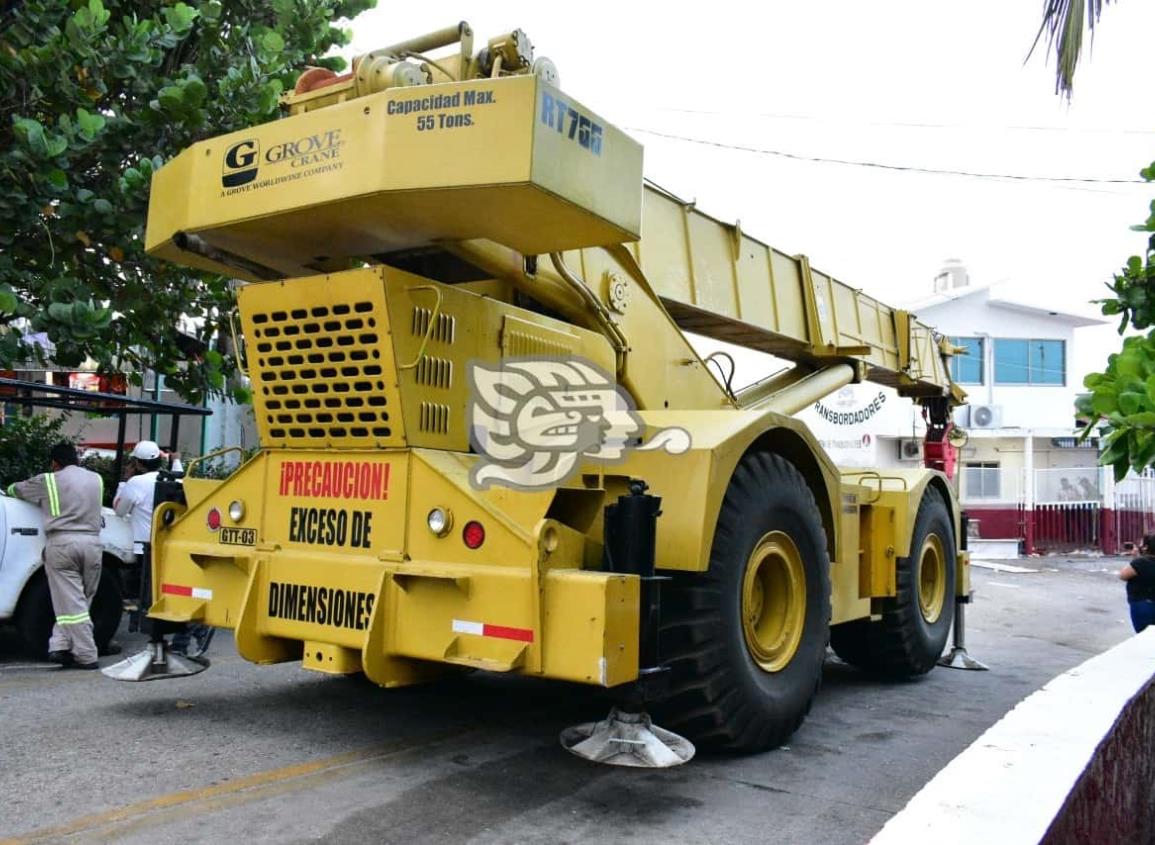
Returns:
(911, 636)
(745, 641)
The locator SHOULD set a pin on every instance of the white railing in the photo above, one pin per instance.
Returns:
(1136, 493)
(1068, 484)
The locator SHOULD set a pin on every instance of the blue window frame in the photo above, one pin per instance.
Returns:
(967, 367)
(1030, 361)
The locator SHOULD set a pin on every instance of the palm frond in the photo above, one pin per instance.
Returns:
(1064, 22)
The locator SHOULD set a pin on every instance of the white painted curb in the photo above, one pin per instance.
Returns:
(1009, 785)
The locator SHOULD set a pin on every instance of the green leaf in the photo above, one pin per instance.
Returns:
(272, 42)
(171, 98)
(57, 178)
(133, 176)
(60, 311)
(180, 17)
(89, 124)
(55, 145)
(99, 14)
(102, 206)
(1104, 403)
(195, 91)
(210, 12)
(1128, 365)
(1122, 467)
(1143, 418)
(1116, 450)
(31, 133)
(267, 103)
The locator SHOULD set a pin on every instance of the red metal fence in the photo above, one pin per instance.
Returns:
(1132, 525)
(1066, 527)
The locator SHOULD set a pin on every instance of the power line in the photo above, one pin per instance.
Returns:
(910, 124)
(880, 166)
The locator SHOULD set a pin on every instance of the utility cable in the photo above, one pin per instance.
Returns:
(880, 166)
(909, 124)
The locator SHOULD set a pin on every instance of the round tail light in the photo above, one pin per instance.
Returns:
(473, 534)
(213, 519)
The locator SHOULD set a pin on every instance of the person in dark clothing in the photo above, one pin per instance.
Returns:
(1140, 577)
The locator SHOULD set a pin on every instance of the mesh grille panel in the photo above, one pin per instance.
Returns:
(320, 373)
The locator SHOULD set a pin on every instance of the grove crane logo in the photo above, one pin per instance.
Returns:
(240, 163)
(283, 161)
(535, 420)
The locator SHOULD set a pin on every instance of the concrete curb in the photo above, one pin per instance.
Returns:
(1072, 762)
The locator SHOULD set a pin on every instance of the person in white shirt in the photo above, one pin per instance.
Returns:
(135, 498)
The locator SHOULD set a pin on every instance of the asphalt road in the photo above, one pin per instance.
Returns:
(254, 754)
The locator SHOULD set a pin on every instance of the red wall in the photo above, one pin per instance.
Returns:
(997, 523)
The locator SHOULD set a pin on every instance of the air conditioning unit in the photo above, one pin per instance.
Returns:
(909, 449)
(986, 416)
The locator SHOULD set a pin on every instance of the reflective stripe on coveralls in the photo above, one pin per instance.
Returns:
(53, 494)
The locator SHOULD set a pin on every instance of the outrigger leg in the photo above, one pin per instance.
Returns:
(627, 737)
(958, 657)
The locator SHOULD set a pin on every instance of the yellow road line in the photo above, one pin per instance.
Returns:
(256, 783)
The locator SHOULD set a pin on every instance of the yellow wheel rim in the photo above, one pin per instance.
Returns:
(773, 601)
(931, 579)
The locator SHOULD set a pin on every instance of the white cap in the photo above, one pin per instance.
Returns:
(146, 450)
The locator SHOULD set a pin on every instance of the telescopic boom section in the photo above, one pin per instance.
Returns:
(717, 281)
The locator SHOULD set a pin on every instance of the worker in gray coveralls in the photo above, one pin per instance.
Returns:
(70, 498)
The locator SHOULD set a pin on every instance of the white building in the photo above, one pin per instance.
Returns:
(1024, 477)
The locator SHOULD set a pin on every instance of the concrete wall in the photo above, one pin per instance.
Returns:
(1072, 763)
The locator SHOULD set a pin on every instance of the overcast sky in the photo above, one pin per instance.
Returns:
(933, 85)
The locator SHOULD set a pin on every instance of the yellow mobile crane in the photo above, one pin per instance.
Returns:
(486, 439)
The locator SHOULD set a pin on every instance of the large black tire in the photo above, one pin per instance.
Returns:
(35, 616)
(722, 694)
(911, 636)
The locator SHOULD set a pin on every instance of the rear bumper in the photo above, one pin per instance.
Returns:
(521, 603)
(391, 618)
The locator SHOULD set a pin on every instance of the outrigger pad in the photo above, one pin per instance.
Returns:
(959, 659)
(155, 663)
(627, 739)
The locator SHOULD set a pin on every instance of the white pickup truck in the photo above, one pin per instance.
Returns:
(24, 598)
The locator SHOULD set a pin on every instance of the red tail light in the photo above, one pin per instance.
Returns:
(473, 534)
